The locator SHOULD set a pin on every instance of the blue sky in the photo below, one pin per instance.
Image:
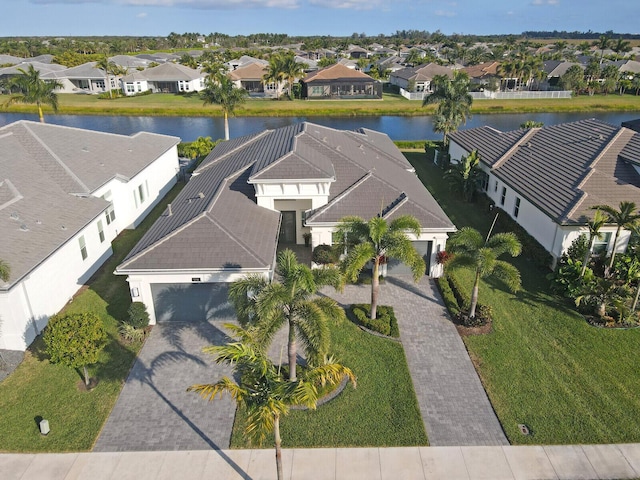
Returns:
(313, 17)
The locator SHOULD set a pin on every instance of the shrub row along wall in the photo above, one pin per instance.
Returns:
(458, 301)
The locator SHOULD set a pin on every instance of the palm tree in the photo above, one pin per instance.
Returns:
(109, 68)
(291, 70)
(275, 72)
(471, 250)
(224, 93)
(376, 241)
(32, 89)
(453, 99)
(5, 271)
(262, 391)
(602, 43)
(624, 217)
(594, 225)
(291, 302)
(465, 176)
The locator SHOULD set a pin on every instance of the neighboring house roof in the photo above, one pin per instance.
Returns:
(128, 61)
(562, 169)
(48, 175)
(482, 70)
(10, 59)
(167, 72)
(43, 68)
(81, 72)
(423, 72)
(251, 71)
(336, 71)
(215, 222)
(45, 58)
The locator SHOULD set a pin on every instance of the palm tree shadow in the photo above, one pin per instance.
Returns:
(144, 374)
(410, 287)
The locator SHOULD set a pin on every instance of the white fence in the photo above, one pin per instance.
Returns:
(487, 95)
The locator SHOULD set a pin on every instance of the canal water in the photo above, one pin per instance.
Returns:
(397, 127)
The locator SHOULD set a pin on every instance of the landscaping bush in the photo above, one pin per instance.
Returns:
(447, 295)
(324, 255)
(458, 301)
(386, 323)
(138, 315)
(130, 333)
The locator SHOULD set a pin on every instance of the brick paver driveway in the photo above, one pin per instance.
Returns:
(154, 410)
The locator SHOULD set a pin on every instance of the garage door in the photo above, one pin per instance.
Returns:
(191, 302)
(395, 267)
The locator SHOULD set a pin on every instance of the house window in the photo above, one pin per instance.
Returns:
(503, 196)
(601, 244)
(516, 208)
(110, 213)
(83, 247)
(495, 186)
(100, 84)
(141, 193)
(130, 88)
(484, 180)
(100, 231)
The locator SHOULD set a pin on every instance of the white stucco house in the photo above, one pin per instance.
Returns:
(65, 194)
(547, 179)
(165, 78)
(254, 192)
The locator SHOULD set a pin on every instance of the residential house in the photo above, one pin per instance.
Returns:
(251, 78)
(276, 186)
(129, 61)
(548, 179)
(555, 69)
(85, 78)
(483, 73)
(418, 79)
(165, 78)
(338, 81)
(356, 52)
(65, 194)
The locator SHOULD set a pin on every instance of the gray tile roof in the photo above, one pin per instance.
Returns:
(166, 72)
(45, 183)
(216, 223)
(423, 72)
(562, 169)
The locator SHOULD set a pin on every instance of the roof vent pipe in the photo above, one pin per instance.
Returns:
(169, 207)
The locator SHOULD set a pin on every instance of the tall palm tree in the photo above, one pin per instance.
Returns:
(375, 241)
(108, 68)
(5, 271)
(30, 88)
(471, 250)
(453, 99)
(291, 302)
(262, 391)
(625, 217)
(275, 71)
(594, 225)
(602, 43)
(224, 93)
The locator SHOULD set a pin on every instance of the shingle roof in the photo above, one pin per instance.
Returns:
(215, 222)
(334, 72)
(423, 72)
(562, 169)
(46, 178)
(251, 71)
(166, 72)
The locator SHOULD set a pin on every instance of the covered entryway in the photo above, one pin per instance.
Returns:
(190, 302)
(424, 248)
(288, 227)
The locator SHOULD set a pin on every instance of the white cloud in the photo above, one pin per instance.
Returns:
(141, 15)
(348, 4)
(200, 4)
(545, 2)
(444, 13)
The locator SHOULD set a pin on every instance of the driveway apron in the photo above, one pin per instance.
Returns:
(454, 405)
(154, 411)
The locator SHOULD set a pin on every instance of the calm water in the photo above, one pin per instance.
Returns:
(398, 128)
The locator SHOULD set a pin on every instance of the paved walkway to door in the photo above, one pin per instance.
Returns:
(454, 406)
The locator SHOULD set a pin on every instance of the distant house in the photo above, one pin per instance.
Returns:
(340, 82)
(65, 194)
(482, 73)
(165, 78)
(555, 69)
(251, 78)
(418, 79)
(254, 192)
(85, 78)
(547, 179)
(42, 68)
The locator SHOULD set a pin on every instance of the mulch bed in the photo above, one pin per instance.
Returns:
(465, 331)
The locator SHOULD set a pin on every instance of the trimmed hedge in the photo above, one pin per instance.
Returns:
(447, 295)
(458, 300)
(386, 323)
(324, 255)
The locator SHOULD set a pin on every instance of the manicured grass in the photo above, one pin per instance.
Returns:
(391, 104)
(543, 365)
(381, 411)
(40, 389)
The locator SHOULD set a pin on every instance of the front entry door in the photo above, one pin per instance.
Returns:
(288, 227)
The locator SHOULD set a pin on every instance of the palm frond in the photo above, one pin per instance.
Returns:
(356, 259)
(508, 274)
(505, 243)
(209, 391)
(406, 223)
(313, 331)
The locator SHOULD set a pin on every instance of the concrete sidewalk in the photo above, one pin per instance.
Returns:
(428, 463)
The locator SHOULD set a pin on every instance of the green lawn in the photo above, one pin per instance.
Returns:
(40, 389)
(543, 365)
(391, 104)
(381, 411)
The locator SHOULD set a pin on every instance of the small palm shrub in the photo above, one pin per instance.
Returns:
(385, 322)
(131, 334)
